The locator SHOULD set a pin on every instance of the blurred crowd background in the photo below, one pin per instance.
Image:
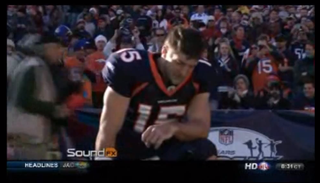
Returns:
(263, 56)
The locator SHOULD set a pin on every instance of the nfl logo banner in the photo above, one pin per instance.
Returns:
(226, 136)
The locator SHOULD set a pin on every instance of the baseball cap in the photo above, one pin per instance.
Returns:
(211, 18)
(80, 45)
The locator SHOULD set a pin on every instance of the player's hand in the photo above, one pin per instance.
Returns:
(156, 134)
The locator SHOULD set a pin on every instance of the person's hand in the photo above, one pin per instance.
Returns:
(240, 94)
(231, 92)
(217, 41)
(61, 111)
(271, 101)
(115, 35)
(154, 135)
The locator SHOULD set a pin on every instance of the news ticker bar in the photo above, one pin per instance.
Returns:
(46, 165)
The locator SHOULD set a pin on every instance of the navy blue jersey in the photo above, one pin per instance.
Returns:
(134, 74)
(298, 49)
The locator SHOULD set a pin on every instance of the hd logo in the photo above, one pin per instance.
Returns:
(243, 144)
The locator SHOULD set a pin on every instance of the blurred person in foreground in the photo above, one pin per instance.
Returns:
(136, 118)
(13, 59)
(33, 108)
(305, 100)
(95, 63)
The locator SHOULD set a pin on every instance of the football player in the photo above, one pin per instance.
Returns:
(150, 94)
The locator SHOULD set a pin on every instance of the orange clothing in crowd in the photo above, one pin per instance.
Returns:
(87, 91)
(208, 33)
(76, 68)
(261, 72)
(95, 63)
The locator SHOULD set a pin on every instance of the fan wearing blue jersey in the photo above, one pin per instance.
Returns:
(157, 105)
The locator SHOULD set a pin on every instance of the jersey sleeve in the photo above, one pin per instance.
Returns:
(205, 75)
(116, 74)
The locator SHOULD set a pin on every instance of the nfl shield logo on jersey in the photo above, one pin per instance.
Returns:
(226, 136)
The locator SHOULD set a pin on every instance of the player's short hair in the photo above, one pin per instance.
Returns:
(186, 40)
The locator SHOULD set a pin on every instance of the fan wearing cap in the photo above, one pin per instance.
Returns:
(95, 63)
(200, 15)
(271, 96)
(76, 67)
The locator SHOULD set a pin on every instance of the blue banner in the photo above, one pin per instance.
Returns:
(238, 135)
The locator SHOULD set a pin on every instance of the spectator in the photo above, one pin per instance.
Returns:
(54, 17)
(226, 67)
(257, 27)
(157, 41)
(177, 19)
(271, 98)
(299, 39)
(13, 59)
(240, 97)
(88, 24)
(163, 23)
(23, 25)
(229, 13)
(222, 31)
(80, 29)
(239, 43)
(200, 15)
(144, 23)
(261, 63)
(305, 66)
(286, 69)
(104, 28)
(32, 99)
(236, 18)
(95, 63)
(209, 30)
(306, 100)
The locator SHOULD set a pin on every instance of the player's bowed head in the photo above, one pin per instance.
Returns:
(180, 53)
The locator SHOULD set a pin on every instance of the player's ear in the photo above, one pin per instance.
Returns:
(164, 50)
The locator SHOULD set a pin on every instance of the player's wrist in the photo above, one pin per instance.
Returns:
(174, 127)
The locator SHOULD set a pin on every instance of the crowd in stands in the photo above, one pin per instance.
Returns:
(263, 55)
